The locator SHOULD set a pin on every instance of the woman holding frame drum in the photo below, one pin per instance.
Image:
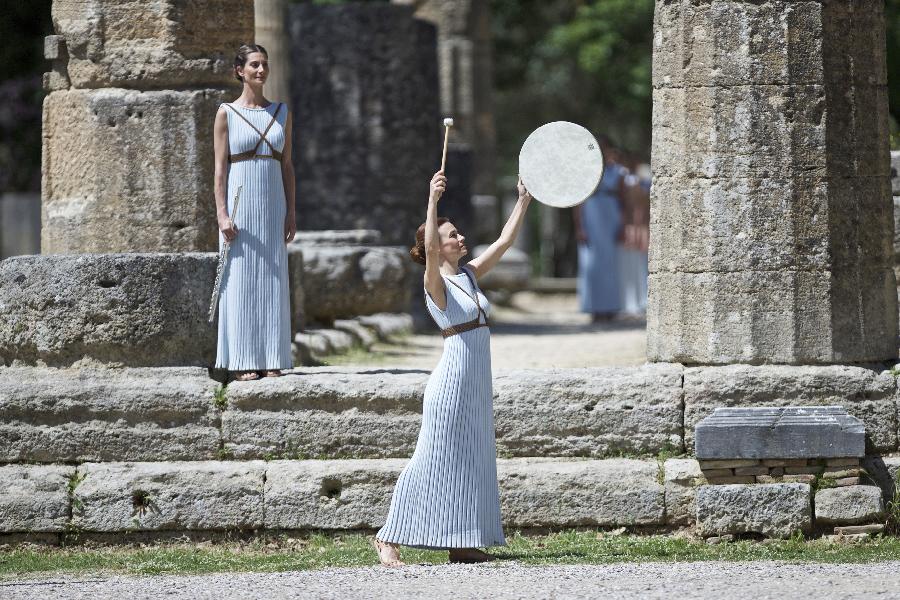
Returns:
(447, 496)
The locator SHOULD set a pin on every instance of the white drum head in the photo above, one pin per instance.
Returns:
(561, 164)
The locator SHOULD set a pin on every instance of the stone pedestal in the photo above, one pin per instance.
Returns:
(366, 120)
(345, 274)
(127, 127)
(128, 170)
(771, 218)
(142, 310)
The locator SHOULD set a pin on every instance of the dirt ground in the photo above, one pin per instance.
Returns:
(534, 331)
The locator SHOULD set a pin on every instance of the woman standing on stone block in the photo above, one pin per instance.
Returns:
(252, 141)
(447, 496)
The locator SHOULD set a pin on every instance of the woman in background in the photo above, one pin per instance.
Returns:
(597, 224)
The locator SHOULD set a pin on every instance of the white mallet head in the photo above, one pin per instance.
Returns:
(448, 122)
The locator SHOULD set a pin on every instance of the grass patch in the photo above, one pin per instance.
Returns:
(319, 551)
(220, 400)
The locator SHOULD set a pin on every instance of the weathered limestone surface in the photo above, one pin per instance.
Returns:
(342, 281)
(588, 412)
(536, 492)
(732, 43)
(849, 505)
(355, 494)
(34, 497)
(323, 412)
(682, 476)
(69, 415)
(122, 309)
(774, 510)
(329, 494)
(152, 45)
(361, 413)
(771, 214)
(366, 109)
(207, 495)
(128, 171)
(866, 393)
(779, 433)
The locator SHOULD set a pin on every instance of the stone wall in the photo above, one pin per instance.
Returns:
(771, 219)
(127, 126)
(98, 450)
(366, 120)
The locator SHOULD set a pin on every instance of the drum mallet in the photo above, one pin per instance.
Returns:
(448, 123)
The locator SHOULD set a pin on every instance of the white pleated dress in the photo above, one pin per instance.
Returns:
(254, 306)
(447, 496)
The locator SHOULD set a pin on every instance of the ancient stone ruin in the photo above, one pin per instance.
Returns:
(366, 120)
(127, 148)
(771, 213)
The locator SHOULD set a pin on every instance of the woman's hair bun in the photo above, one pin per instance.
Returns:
(418, 254)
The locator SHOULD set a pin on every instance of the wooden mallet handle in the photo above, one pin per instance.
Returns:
(448, 123)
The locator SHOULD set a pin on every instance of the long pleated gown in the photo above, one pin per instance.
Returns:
(254, 306)
(447, 496)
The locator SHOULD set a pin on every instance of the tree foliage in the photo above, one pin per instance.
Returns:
(582, 61)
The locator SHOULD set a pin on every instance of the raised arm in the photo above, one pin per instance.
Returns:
(434, 285)
(220, 177)
(490, 257)
(290, 183)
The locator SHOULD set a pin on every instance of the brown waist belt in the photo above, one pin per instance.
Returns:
(457, 329)
(251, 154)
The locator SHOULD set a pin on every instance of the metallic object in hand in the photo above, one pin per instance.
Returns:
(223, 260)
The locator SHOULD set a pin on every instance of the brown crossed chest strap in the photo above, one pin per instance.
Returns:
(251, 154)
(474, 323)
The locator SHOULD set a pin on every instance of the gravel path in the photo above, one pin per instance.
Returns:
(683, 581)
(537, 331)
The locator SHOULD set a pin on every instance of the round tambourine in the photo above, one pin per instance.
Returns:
(561, 164)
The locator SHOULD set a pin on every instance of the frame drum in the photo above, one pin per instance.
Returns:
(561, 164)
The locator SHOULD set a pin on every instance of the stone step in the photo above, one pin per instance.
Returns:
(156, 414)
(68, 415)
(309, 495)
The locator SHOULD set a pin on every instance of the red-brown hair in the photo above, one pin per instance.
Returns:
(417, 252)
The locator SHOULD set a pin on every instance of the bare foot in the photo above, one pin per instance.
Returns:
(273, 373)
(388, 554)
(245, 375)
(469, 555)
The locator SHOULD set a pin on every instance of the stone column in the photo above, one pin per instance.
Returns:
(127, 126)
(771, 219)
(465, 66)
(271, 16)
(366, 120)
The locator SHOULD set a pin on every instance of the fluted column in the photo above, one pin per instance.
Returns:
(771, 221)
